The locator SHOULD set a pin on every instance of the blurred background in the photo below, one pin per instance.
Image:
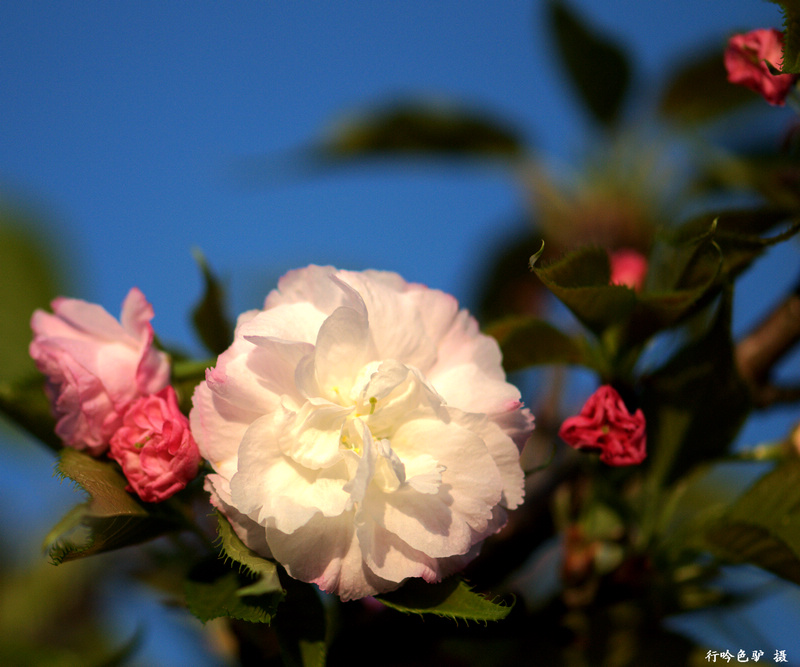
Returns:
(133, 132)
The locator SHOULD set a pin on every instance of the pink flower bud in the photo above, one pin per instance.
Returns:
(745, 61)
(605, 424)
(628, 267)
(95, 366)
(155, 447)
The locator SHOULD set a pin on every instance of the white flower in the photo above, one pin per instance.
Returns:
(362, 431)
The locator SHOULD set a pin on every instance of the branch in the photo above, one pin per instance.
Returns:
(759, 351)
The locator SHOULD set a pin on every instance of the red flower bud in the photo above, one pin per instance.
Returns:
(604, 424)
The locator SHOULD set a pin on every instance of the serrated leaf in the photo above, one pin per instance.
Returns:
(112, 518)
(419, 128)
(213, 593)
(763, 526)
(529, 341)
(265, 571)
(741, 234)
(597, 67)
(693, 276)
(791, 24)
(208, 316)
(699, 91)
(452, 598)
(580, 280)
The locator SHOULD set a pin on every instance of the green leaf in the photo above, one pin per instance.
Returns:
(265, 571)
(689, 279)
(529, 341)
(791, 24)
(452, 598)
(598, 68)
(418, 128)
(213, 591)
(699, 91)
(696, 402)
(740, 234)
(208, 316)
(111, 519)
(580, 280)
(763, 526)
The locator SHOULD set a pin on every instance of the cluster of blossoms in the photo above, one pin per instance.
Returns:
(360, 428)
(748, 59)
(109, 390)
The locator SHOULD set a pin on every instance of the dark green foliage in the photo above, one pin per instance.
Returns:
(528, 341)
(208, 316)
(452, 598)
(791, 24)
(110, 519)
(695, 403)
(699, 91)
(417, 128)
(597, 67)
(763, 526)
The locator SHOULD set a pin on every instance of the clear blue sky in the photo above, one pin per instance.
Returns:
(127, 121)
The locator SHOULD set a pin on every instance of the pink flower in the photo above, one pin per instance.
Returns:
(628, 267)
(745, 61)
(96, 366)
(605, 424)
(361, 431)
(155, 447)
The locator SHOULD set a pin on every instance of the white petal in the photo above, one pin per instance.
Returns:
(326, 552)
(274, 490)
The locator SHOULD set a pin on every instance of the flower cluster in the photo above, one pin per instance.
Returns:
(360, 428)
(108, 385)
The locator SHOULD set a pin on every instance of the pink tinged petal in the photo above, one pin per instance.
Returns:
(437, 310)
(89, 319)
(311, 284)
(441, 524)
(457, 386)
(293, 322)
(326, 552)
(391, 558)
(237, 378)
(504, 452)
(218, 427)
(387, 306)
(463, 343)
(136, 315)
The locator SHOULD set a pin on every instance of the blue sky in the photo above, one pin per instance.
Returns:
(128, 123)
